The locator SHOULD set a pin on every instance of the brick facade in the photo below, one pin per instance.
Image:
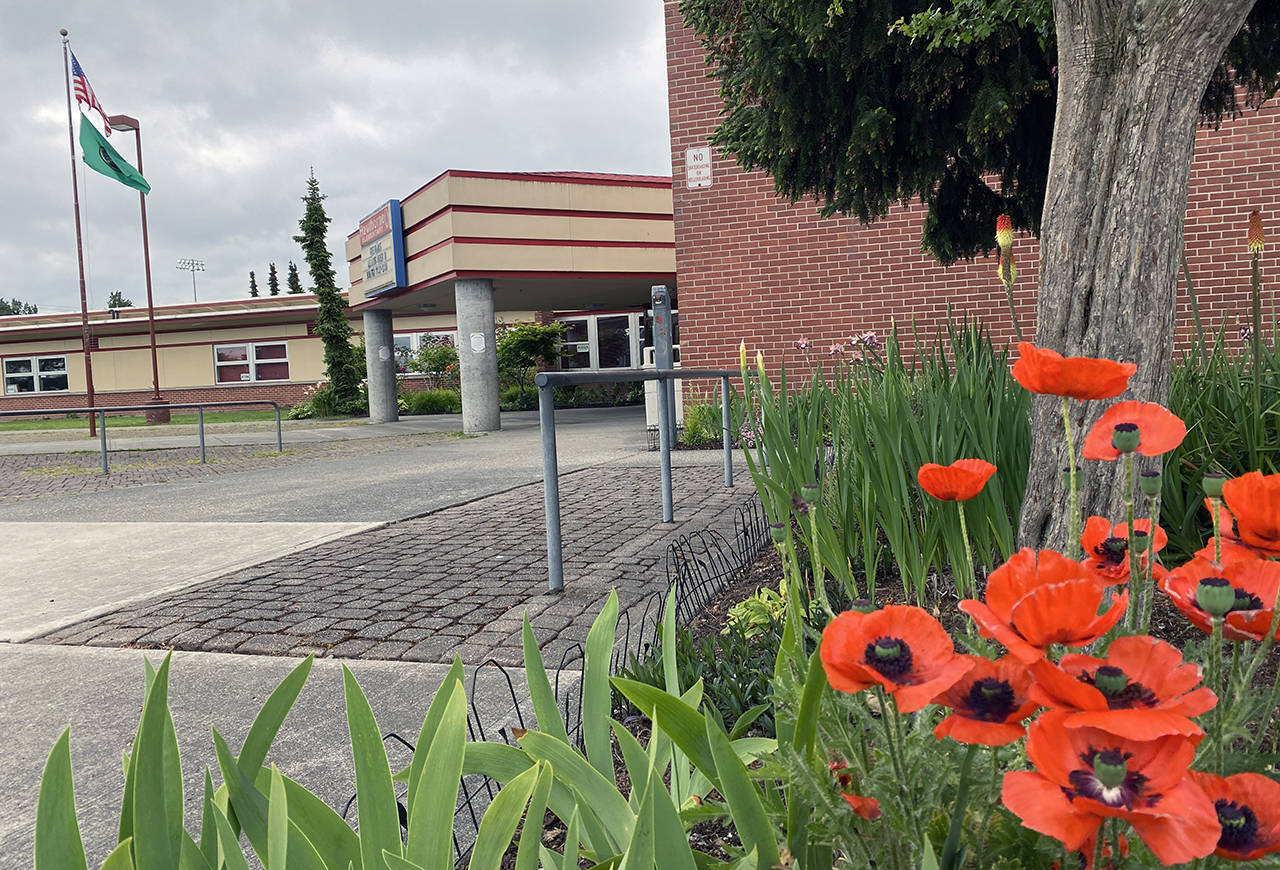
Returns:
(751, 266)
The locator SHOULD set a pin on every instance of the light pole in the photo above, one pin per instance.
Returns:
(160, 414)
(192, 266)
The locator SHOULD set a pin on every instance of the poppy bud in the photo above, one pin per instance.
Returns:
(863, 605)
(1257, 241)
(1150, 483)
(1138, 541)
(1110, 680)
(1215, 596)
(809, 492)
(778, 532)
(1110, 768)
(1126, 437)
(1212, 483)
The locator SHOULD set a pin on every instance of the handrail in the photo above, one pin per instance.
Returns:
(102, 410)
(545, 381)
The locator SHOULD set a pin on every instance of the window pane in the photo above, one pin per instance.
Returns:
(575, 330)
(20, 385)
(276, 371)
(614, 338)
(17, 366)
(53, 364)
(270, 351)
(53, 382)
(234, 353)
(233, 373)
(575, 356)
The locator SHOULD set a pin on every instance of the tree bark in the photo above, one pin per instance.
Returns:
(1130, 77)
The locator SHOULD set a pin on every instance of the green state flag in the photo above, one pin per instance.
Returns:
(101, 157)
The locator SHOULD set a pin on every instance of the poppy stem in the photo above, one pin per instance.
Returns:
(1149, 586)
(1134, 617)
(819, 575)
(1217, 530)
(1097, 846)
(1073, 518)
(957, 810)
(1215, 682)
(885, 713)
(972, 579)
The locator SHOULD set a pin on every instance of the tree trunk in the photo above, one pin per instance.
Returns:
(1130, 77)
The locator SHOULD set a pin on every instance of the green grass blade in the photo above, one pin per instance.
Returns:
(121, 857)
(277, 824)
(431, 822)
(531, 832)
(595, 688)
(430, 725)
(540, 692)
(58, 845)
(499, 823)
(377, 811)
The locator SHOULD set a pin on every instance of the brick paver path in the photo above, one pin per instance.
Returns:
(457, 581)
(36, 475)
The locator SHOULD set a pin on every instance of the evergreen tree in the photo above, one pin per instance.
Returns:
(253, 285)
(341, 367)
(294, 282)
(117, 300)
(273, 281)
(16, 306)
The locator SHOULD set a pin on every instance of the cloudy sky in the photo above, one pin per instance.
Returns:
(238, 99)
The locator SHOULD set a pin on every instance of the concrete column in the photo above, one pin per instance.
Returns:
(477, 354)
(380, 359)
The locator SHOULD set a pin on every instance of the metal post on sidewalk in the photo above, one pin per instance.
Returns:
(664, 450)
(551, 487)
(102, 435)
(279, 433)
(728, 437)
(200, 420)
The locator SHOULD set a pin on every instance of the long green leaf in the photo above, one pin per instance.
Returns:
(634, 758)
(743, 798)
(376, 805)
(395, 862)
(324, 828)
(431, 822)
(277, 824)
(595, 687)
(208, 829)
(499, 823)
(231, 853)
(681, 722)
(540, 692)
(262, 733)
(429, 726)
(598, 796)
(531, 831)
(58, 845)
(504, 763)
(121, 857)
(671, 676)
(189, 855)
(671, 849)
(154, 846)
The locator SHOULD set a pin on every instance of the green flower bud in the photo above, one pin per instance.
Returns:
(1139, 541)
(778, 532)
(1110, 680)
(1126, 437)
(1150, 481)
(809, 492)
(1215, 596)
(863, 605)
(1212, 483)
(1110, 768)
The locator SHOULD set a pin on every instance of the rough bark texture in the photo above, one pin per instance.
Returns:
(1131, 73)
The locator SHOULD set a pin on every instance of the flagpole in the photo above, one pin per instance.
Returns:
(75, 199)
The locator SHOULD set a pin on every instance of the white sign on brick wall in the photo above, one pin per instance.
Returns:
(697, 167)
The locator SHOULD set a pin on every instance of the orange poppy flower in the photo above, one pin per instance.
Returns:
(1254, 501)
(1084, 775)
(1080, 377)
(1142, 690)
(1159, 430)
(959, 481)
(988, 704)
(1106, 549)
(899, 647)
(1255, 582)
(1248, 807)
(1037, 599)
(867, 807)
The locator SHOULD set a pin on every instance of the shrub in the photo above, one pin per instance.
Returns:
(320, 401)
(434, 402)
(517, 399)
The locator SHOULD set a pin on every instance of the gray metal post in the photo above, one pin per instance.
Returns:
(728, 437)
(102, 434)
(200, 420)
(664, 451)
(551, 487)
(664, 355)
(279, 434)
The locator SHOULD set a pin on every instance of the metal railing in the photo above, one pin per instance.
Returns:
(547, 381)
(103, 410)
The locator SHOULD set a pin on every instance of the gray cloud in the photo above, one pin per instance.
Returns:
(238, 100)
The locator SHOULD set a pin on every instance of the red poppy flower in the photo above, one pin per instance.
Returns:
(1080, 377)
(1106, 549)
(867, 807)
(1142, 690)
(1254, 501)
(1084, 775)
(1037, 599)
(1255, 583)
(1159, 430)
(959, 481)
(1232, 548)
(1248, 807)
(988, 704)
(899, 647)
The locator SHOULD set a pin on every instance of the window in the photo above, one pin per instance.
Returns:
(600, 341)
(237, 363)
(36, 374)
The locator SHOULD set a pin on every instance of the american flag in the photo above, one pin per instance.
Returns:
(84, 91)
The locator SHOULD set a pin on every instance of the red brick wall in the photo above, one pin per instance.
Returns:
(284, 394)
(750, 266)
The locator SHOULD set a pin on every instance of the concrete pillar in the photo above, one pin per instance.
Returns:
(477, 354)
(380, 359)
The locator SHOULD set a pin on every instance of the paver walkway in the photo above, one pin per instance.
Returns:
(455, 582)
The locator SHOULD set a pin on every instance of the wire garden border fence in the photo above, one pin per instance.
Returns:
(699, 565)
